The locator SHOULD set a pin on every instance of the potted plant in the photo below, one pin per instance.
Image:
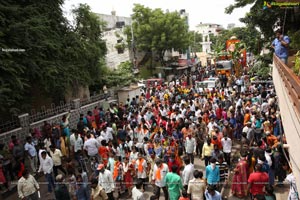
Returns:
(120, 47)
(296, 67)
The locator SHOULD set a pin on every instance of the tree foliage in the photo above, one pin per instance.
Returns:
(195, 40)
(267, 19)
(248, 35)
(261, 67)
(121, 76)
(55, 56)
(157, 31)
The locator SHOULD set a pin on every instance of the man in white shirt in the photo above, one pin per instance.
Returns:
(197, 186)
(142, 167)
(105, 180)
(56, 157)
(249, 131)
(227, 146)
(137, 191)
(76, 145)
(187, 173)
(46, 166)
(160, 170)
(211, 125)
(133, 156)
(264, 106)
(91, 146)
(109, 133)
(190, 147)
(28, 187)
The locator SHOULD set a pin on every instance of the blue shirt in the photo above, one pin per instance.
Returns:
(30, 149)
(212, 175)
(217, 196)
(280, 50)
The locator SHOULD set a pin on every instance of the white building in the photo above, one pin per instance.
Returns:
(184, 14)
(113, 35)
(230, 26)
(205, 28)
(113, 21)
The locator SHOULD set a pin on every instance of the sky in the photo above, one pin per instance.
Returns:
(205, 11)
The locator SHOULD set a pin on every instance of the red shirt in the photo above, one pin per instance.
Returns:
(175, 162)
(219, 113)
(258, 180)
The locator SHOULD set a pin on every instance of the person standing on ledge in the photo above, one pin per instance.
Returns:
(280, 45)
(105, 91)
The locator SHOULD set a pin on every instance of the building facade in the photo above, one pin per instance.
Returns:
(209, 28)
(117, 50)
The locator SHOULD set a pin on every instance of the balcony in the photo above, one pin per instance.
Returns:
(287, 86)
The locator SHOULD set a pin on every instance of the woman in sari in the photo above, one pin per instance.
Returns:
(128, 168)
(65, 125)
(103, 152)
(64, 145)
(239, 182)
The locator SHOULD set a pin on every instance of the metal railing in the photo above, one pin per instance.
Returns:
(48, 112)
(94, 98)
(44, 112)
(291, 82)
(8, 125)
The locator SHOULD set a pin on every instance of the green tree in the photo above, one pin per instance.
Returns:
(56, 56)
(121, 76)
(91, 49)
(267, 19)
(248, 35)
(156, 31)
(195, 40)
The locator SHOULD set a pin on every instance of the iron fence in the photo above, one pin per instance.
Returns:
(49, 112)
(9, 125)
(46, 112)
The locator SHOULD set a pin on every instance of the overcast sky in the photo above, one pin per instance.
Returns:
(205, 11)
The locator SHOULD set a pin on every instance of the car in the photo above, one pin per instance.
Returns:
(207, 84)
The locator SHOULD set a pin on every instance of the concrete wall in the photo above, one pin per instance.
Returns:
(112, 58)
(111, 20)
(291, 124)
(130, 93)
(75, 111)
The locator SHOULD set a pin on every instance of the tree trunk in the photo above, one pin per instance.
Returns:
(144, 59)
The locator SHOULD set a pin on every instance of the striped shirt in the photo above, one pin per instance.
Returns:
(223, 171)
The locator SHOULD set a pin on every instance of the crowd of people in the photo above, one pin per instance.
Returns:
(153, 141)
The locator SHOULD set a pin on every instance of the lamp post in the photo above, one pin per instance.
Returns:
(132, 47)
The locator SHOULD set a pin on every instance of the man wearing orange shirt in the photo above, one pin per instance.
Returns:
(272, 140)
(247, 117)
